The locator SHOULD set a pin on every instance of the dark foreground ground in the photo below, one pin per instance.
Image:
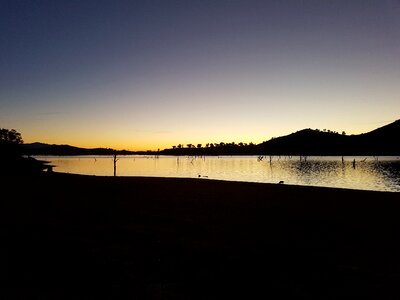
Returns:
(81, 237)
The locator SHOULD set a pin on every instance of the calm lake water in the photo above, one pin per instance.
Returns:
(369, 173)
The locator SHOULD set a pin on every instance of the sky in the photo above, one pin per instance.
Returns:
(143, 75)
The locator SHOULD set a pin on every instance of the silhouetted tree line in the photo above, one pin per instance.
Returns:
(10, 143)
(382, 141)
(11, 160)
(221, 148)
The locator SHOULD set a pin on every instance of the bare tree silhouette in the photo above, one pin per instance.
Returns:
(115, 163)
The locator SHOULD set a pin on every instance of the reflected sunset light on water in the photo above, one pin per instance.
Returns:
(369, 173)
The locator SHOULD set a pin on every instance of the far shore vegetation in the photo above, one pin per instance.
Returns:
(16, 157)
(381, 141)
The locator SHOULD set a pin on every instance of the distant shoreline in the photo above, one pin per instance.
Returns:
(382, 141)
(212, 155)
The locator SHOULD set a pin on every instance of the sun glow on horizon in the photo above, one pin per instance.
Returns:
(166, 73)
(152, 141)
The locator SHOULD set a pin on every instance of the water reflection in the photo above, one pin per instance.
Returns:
(390, 171)
(369, 173)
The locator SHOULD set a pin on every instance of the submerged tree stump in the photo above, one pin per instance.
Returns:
(115, 163)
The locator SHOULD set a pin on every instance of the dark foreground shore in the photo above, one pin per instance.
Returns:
(82, 237)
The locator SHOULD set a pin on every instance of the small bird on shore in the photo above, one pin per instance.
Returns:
(281, 182)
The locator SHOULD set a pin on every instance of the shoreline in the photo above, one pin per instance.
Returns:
(224, 180)
(370, 175)
(232, 181)
(177, 238)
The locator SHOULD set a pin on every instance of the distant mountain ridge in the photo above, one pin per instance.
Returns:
(381, 141)
(47, 149)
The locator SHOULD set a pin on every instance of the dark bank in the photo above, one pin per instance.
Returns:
(86, 237)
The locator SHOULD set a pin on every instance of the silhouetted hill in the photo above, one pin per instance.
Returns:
(46, 149)
(381, 141)
(306, 142)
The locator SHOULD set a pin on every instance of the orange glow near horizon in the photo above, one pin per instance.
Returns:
(158, 75)
(162, 140)
(137, 145)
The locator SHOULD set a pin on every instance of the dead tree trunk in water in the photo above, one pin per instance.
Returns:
(115, 163)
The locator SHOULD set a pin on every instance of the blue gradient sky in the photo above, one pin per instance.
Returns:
(151, 74)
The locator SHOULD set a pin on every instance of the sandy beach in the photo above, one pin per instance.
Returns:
(85, 237)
